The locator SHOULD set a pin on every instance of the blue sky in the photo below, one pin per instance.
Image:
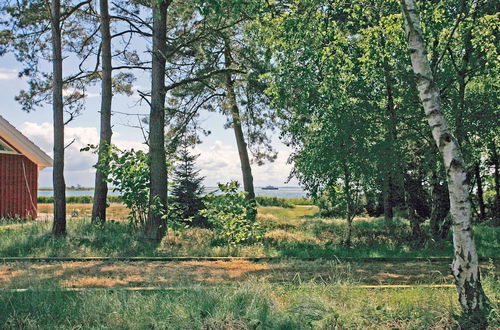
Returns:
(218, 159)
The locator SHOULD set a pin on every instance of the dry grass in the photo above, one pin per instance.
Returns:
(280, 236)
(118, 274)
(115, 211)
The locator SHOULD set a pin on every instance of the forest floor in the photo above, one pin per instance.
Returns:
(319, 291)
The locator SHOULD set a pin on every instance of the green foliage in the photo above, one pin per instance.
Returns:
(232, 215)
(331, 203)
(274, 201)
(128, 172)
(187, 190)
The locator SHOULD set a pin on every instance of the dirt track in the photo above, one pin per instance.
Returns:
(111, 274)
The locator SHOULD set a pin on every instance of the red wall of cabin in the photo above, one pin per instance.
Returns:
(18, 187)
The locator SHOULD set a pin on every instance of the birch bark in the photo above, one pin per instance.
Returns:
(465, 264)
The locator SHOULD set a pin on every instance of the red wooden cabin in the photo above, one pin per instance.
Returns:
(20, 161)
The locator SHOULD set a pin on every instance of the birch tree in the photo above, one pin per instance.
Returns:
(465, 264)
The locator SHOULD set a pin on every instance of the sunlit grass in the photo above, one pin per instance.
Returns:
(289, 232)
(248, 305)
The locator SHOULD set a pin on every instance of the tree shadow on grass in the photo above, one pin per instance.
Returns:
(113, 239)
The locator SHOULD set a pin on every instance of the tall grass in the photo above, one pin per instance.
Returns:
(288, 233)
(250, 305)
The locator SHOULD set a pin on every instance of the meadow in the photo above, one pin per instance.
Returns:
(287, 232)
(326, 289)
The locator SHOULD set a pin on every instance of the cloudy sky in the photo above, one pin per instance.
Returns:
(218, 159)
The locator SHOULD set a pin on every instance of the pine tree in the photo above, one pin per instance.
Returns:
(188, 188)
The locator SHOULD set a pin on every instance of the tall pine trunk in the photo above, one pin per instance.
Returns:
(154, 228)
(101, 186)
(246, 169)
(59, 225)
(465, 264)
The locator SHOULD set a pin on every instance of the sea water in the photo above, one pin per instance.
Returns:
(284, 192)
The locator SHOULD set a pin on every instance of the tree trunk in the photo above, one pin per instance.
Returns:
(246, 169)
(417, 204)
(394, 184)
(494, 155)
(480, 198)
(101, 186)
(349, 210)
(465, 264)
(59, 225)
(154, 228)
(440, 208)
(388, 214)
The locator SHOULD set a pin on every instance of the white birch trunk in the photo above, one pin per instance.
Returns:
(465, 264)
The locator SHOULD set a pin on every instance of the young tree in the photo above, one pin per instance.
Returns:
(187, 188)
(224, 65)
(465, 265)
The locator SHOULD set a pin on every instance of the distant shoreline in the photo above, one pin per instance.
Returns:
(92, 188)
(68, 189)
(283, 192)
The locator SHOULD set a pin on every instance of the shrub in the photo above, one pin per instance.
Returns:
(232, 215)
(128, 172)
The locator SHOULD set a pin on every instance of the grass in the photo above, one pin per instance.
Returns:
(119, 274)
(283, 295)
(248, 305)
(290, 232)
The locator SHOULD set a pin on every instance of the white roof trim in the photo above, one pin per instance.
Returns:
(16, 139)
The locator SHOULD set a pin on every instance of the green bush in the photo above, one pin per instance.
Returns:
(232, 215)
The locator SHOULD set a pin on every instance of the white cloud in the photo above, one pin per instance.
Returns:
(78, 165)
(218, 162)
(8, 74)
(221, 163)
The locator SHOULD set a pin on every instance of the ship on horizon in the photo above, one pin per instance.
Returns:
(269, 188)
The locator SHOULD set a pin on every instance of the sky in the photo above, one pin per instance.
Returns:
(218, 160)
